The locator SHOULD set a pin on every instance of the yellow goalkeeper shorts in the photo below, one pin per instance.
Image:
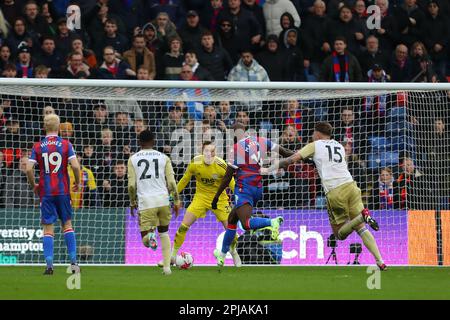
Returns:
(200, 205)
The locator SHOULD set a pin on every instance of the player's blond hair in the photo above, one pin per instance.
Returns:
(51, 123)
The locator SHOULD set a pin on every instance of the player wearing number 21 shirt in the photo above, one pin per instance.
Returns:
(52, 155)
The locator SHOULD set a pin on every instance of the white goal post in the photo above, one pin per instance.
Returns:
(395, 134)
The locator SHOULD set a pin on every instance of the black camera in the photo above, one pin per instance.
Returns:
(331, 241)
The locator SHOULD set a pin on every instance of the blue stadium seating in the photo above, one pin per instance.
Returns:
(384, 159)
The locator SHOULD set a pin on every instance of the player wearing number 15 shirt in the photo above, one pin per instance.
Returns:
(53, 154)
(345, 207)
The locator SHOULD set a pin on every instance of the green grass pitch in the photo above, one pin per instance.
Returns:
(244, 283)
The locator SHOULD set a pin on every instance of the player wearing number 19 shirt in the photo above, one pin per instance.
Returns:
(345, 207)
(248, 154)
(53, 154)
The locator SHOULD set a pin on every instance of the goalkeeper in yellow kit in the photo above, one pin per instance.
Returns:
(209, 171)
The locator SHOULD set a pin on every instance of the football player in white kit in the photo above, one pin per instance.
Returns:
(150, 182)
(345, 207)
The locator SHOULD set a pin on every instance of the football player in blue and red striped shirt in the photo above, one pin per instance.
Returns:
(53, 154)
(248, 154)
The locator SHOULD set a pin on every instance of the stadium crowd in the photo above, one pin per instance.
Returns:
(395, 142)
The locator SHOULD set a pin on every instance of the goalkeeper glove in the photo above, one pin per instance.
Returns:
(214, 203)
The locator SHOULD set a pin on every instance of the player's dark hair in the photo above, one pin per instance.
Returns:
(206, 143)
(324, 128)
(146, 137)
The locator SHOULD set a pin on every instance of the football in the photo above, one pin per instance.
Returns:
(184, 260)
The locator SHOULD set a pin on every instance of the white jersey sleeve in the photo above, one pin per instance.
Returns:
(329, 157)
(149, 166)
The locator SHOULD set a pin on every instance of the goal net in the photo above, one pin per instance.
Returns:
(395, 136)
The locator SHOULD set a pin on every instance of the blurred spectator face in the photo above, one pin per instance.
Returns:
(319, 8)
(234, 4)
(401, 52)
(433, 9)
(208, 41)
(292, 38)
(10, 72)
(186, 72)
(42, 74)
(109, 56)
(31, 11)
(272, 46)
(88, 151)
(190, 58)
(372, 44)
(139, 43)
(385, 176)
(377, 74)
(23, 164)
(142, 74)
(345, 15)
(122, 119)
(48, 110)
(408, 166)
(19, 27)
(360, 7)
(292, 106)
(149, 33)
(216, 4)
(225, 26)
(175, 45)
(45, 11)
(340, 46)
(175, 114)
(76, 61)
(77, 45)
(66, 134)
(347, 117)
(162, 20)
(100, 113)
(24, 57)
(139, 126)
(13, 126)
(107, 137)
(383, 4)
(418, 50)
(120, 170)
(1, 158)
(206, 127)
(48, 46)
(110, 29)
(410, 3)
(210, 113)
(285, 22)
(225, 107)
(290, 134)
(439, 126)
(5, 53)
(192, 21)
(62, 28)
(209, 152)
(242, 117)
(348, 149)
(247, 58)
(250, 2)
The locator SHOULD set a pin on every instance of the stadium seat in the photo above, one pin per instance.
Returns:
(378, 144)
(384, 159)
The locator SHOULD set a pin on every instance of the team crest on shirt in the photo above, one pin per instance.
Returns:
(215, 176)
